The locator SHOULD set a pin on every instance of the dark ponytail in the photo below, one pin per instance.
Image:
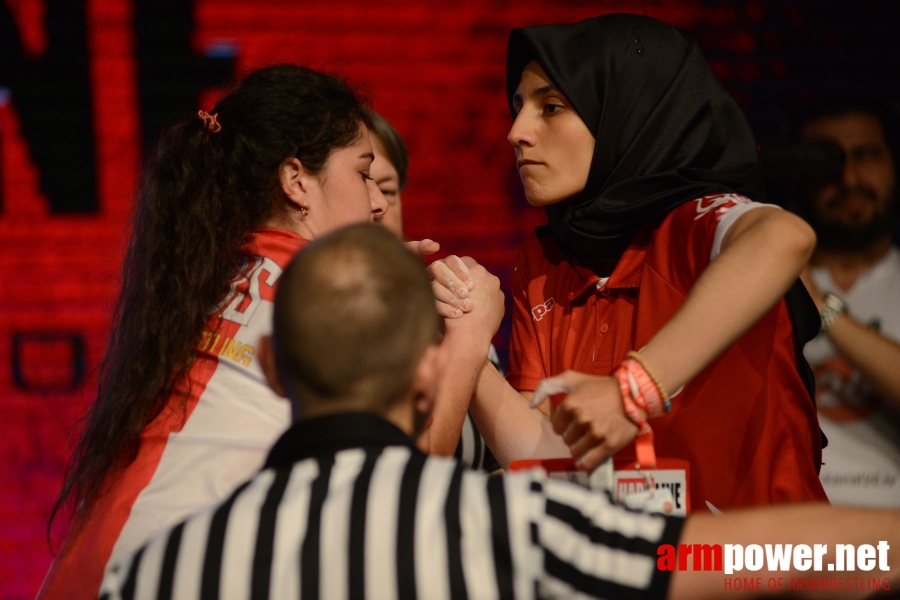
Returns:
(201, 194)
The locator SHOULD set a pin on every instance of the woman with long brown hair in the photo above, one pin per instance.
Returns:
(183, 414)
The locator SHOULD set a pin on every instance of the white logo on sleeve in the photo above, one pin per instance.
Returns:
(721, 203)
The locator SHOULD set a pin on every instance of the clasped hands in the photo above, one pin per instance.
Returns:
(464, 288)
(591, 419)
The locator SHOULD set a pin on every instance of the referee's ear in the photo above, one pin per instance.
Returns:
(266, 356)
(427, 378)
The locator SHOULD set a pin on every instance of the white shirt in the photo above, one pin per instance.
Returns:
(862, 461)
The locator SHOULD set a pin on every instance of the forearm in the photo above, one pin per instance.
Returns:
(806, 524)
(876, 357)
(455, 393)
(466, 344)
(745, 281)
(510, 427)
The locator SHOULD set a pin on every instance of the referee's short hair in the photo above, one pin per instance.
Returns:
(367, 317)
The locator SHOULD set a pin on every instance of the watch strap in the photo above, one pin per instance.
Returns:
(832, 308)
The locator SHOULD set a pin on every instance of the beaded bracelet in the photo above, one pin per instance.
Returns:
(664, 397)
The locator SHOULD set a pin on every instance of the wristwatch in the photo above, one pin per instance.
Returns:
(832, 308)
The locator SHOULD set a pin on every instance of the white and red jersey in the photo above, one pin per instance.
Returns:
(192, 456)
(861, 465)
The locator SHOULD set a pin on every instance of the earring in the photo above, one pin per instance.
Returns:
(303, 212)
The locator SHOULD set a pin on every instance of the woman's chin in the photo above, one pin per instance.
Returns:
(540, 200)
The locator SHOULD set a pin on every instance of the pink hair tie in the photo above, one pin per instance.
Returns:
(211, 121)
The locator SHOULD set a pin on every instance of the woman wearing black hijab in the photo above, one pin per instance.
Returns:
(644, 165)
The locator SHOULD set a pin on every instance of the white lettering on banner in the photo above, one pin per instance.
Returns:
(249, 278)
(779, 557)
(720, 202)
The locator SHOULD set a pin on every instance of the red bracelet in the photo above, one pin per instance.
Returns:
(628, 401)
(644, 391)
(643, 443)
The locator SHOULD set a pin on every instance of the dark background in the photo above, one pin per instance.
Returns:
(85, 85)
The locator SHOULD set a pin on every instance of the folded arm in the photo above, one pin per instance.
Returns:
(762, 254)
(875, 355)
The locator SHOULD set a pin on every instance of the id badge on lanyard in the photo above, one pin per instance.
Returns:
(661, 490)
(648, 484)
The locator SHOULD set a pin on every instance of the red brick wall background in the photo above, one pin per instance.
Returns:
(435, 70)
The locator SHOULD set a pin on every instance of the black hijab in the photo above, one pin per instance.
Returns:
(666, 132)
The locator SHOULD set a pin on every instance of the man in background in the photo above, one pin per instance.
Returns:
(855, 282)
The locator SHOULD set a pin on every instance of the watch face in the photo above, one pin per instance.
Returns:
(834, 303)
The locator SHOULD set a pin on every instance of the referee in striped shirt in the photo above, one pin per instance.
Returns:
(347, 507)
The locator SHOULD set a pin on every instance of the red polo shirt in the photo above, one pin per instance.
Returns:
(746, 423)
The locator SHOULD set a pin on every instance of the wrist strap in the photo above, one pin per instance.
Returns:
(641, 391)
(649, 395)
(643, 443)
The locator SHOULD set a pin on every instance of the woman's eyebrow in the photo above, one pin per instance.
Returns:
(535, 93)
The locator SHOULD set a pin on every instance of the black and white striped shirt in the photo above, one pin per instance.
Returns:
(348, 508)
